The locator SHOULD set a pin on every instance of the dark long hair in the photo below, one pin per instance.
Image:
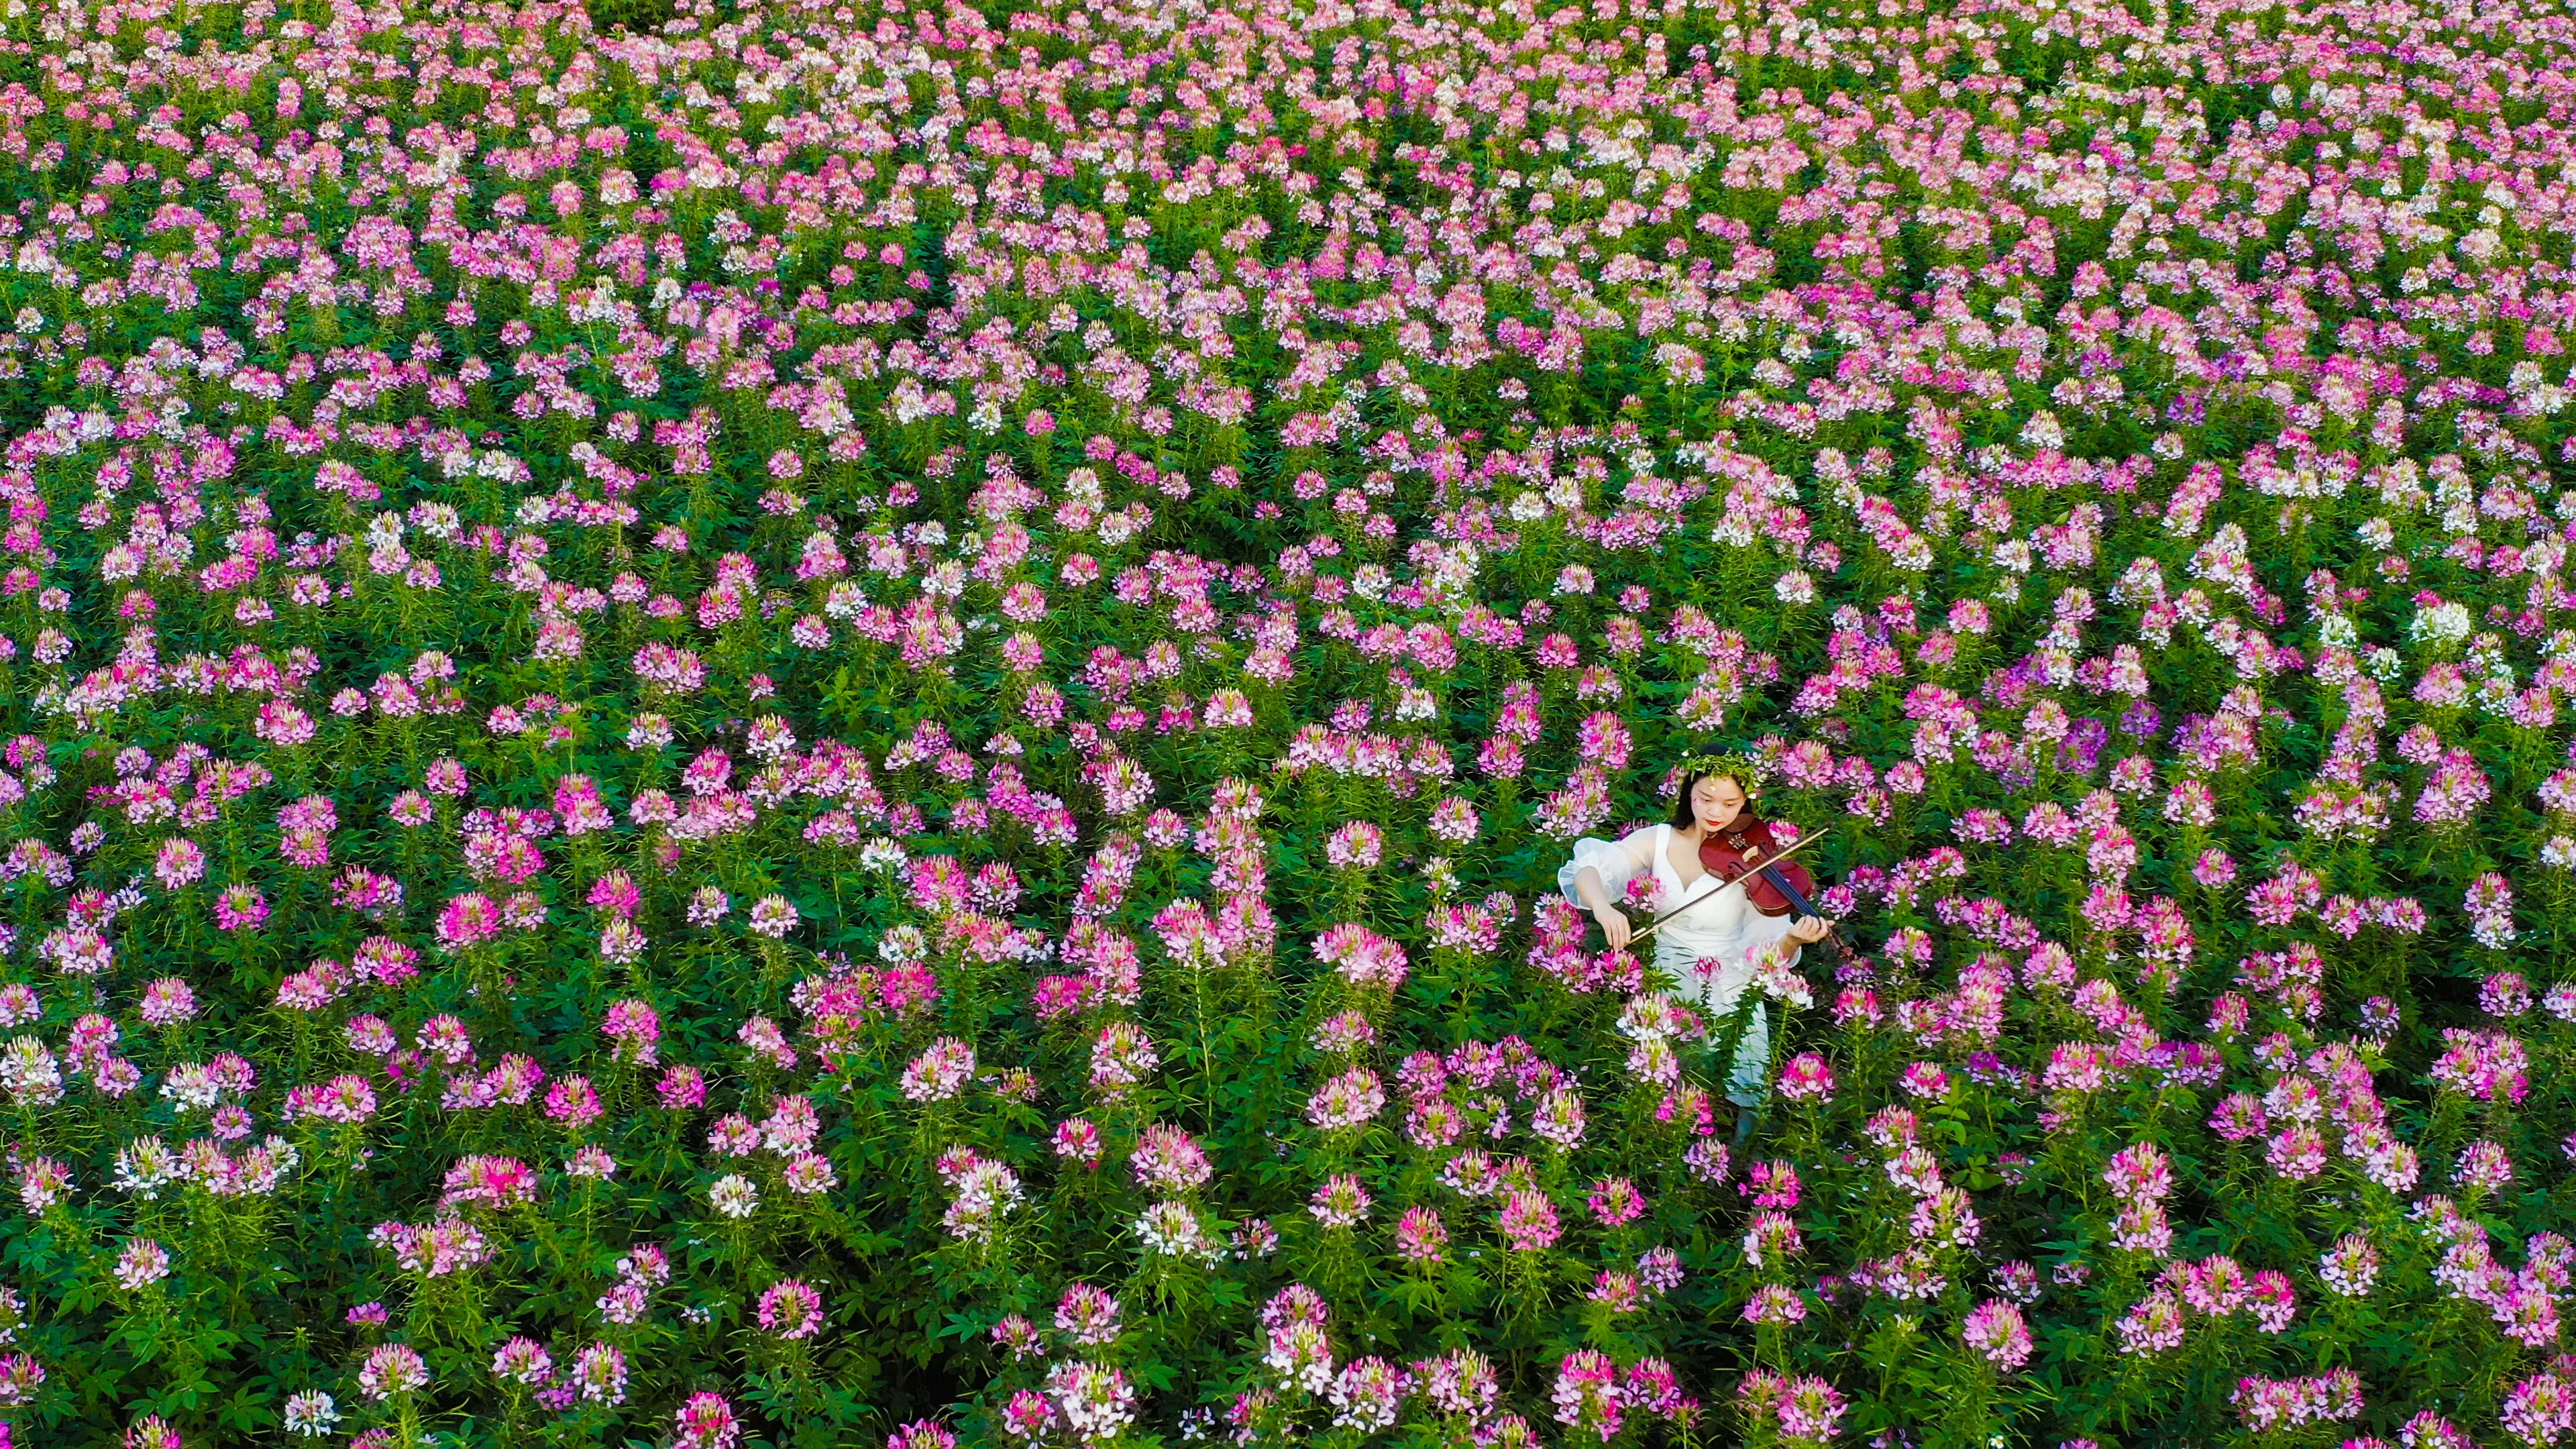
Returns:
(1682, 817)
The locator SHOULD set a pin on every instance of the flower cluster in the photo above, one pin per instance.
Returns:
(752, 721)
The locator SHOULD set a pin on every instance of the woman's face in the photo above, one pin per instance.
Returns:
(1717, 800)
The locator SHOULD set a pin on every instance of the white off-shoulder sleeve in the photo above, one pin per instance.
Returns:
(1617, 860)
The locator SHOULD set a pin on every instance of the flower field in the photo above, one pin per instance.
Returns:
(850, 724)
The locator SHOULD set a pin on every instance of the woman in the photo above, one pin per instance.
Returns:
(1710, 952)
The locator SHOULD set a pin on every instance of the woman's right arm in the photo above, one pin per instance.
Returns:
(1595, 895)
(1595, 892)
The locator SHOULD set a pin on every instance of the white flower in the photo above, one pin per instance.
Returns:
(311, 1413)
(734, 1196)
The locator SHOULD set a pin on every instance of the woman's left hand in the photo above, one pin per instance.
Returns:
(1808, 928)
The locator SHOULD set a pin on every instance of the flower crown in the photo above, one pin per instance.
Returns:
(1745, 767)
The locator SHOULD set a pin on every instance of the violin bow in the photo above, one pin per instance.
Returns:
(1801, 843)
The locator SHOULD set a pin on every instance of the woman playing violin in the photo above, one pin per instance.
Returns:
(1712, 952)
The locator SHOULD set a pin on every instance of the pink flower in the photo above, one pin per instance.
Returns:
(1616, 1201)
(1528, 1221)
(2484, 1167)
(240, 908)
(572, 1102)
(1347, 1102)
(2139, 1172)
(681, 1088)
(2275, 1405)
(2540, 1409)
(1421, 1237)
(1087, 1315)
(1806, 1078)
(1803, 1411)
(1587, 1394)
(2154, 1326)
(1775, 1303)
(2274, 1301)
(392, 1369)
(1996, 1329)
(635, 1028)
(1341, 1202)
(706, 1421)
(468, 920)
(791, 1308)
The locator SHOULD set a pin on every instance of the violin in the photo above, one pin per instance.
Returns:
(1774, 890)
(1787, 888)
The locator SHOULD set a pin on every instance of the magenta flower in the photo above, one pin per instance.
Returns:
(706, 1421)
(1806, 1078)
(468, 920)
(1615, 1202)
(791, 1309)
(240, 908)
(1421, 1237)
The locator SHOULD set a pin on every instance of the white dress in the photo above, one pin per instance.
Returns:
(1727, 932)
